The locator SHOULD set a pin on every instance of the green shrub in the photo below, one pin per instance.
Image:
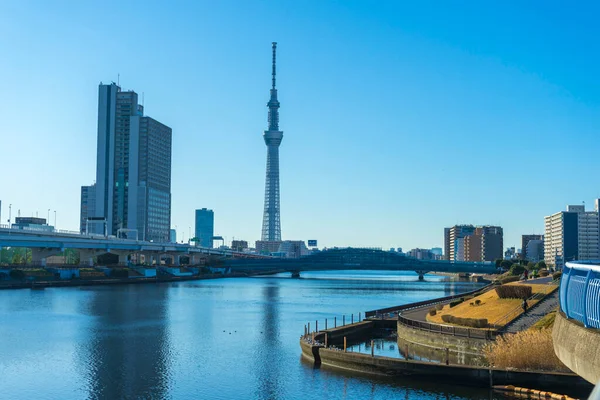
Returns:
(470, 322)
(455, 303)
(119, 273)
(432, 312)
(477, 302)
(509, 279)
(517, 269)
(17, 274)
(514, 291)
(556, 275)
(543, 272)
(439, 307)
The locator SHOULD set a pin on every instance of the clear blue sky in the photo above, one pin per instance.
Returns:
(399, 118)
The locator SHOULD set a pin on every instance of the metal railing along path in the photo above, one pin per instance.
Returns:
(579, 293)
(452, 330)
(411, 306)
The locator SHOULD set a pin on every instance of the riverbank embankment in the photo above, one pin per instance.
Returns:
(41, 284)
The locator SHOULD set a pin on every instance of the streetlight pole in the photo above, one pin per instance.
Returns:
(9, 215)
(54, 220)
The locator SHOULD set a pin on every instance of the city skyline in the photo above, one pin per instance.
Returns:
(378, 190)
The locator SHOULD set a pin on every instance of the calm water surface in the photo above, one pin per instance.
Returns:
(214, 339)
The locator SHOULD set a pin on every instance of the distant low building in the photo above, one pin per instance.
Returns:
(239, 245)
(267, 247)
(32, 223)
(293, 248)
(421, 254)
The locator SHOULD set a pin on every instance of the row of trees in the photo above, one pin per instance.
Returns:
(517, 267)
(13, 255)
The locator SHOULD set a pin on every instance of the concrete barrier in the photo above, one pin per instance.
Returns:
(577, 347)
(457, 374)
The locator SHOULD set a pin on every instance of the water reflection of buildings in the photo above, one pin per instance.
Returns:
(128, 348)
(270, 360)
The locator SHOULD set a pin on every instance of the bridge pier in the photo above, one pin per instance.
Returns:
(86, 257)
(295, 274)
(421, 275)
(39, 256)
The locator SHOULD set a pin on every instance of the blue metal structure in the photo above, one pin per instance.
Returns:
(580, 293)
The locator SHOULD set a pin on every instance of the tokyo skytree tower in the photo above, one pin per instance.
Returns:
(271, 228)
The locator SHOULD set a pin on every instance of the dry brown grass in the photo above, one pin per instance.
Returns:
(527, 350)
(491, 307)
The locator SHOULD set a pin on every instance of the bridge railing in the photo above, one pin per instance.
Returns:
(580, 293)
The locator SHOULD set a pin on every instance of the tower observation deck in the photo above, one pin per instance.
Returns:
(271, 228)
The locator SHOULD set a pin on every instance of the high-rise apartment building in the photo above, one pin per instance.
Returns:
(133, 167)
(485, 244)
(454, 248)
(88, 209)
(534, 251)
(524, 242)
(470, 243)
(572, 235)
(205, 227)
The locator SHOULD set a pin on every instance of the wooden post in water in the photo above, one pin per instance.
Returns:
(359, 317)
(309, 327)
(317, 326)
(326, 339)
(343, 320)
(447, 356)
(325, 323)
(305, 332)
(372, 348)
(344, 344)
(352, 320)
(335, 322)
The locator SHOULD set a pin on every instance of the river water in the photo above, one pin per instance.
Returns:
(233, 338)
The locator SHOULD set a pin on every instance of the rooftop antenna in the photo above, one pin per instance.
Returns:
(274, 56)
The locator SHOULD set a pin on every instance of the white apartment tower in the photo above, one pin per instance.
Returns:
(572, 235)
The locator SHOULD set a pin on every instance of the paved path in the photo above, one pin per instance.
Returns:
(538, 281)
(526, 320)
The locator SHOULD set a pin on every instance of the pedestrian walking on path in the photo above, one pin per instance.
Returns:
(524, 305)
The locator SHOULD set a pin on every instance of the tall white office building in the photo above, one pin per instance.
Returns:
(133, 168)
(572, 235)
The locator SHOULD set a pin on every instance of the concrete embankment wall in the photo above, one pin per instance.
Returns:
(427, 338)
(577, 347)
(465, 375)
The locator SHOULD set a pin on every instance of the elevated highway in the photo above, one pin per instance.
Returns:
(359, 259)
(45, 244)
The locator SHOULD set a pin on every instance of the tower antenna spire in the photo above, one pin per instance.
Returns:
(274, 60)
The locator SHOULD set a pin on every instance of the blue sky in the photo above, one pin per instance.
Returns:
(399, 118)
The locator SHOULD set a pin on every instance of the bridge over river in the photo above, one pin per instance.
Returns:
(358, 259)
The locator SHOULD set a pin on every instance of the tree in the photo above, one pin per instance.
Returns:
(506, 264)
(531, 266)
(17, 258)
(498, 262)
(542, 265)
(517, 269)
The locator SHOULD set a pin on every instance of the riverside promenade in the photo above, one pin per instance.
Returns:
(330, 348)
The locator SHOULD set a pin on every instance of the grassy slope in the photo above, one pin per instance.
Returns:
(491, 306)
